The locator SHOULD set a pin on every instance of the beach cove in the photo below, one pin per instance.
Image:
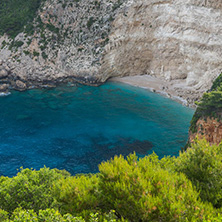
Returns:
(75, 127)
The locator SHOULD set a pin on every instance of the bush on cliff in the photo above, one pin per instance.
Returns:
(78, 194)
(30, 189)
(217, 83)
(203, 167)
(15, 14)
(210, 104)
(145, 189)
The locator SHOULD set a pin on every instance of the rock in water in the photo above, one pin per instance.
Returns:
(20, 85)
(4, 87)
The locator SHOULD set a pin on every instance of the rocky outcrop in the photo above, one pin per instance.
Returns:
(209, 128)
(3, 73)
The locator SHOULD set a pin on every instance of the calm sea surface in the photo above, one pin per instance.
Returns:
(75, 128)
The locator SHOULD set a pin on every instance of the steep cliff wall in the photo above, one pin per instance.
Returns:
(176, 40)
(170, 39)
(68, 41)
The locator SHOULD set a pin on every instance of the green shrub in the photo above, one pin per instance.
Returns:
(30, 189)
(213, 218)
(90, 22)
(44, 55)
(217, 83)
(203, 166)
(144, 191)
(35, 53)
(210, 104)
(3, 215)
(26, 52)
(15, 14)
(52, 28)
(77, 195)
(18, 44)
(52, 215)
(48, 215)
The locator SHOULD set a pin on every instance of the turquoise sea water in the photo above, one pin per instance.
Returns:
(75, 128)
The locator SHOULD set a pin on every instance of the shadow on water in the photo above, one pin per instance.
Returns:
(86, 159)
(76, 128)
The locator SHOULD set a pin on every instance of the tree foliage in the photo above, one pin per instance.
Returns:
(30, 189)
(186, 188)
(203, 166)
(15, 14)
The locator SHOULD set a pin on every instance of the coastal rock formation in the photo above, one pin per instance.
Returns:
(67, 43)
(3, 73)
(4, 87)
(179, 41)
(20, 85)
(209, 128)
(168, 39)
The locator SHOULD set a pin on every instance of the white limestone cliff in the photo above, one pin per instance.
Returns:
(170, 39)
(179, 41)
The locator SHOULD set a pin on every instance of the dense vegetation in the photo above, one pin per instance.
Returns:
(186, 188)
(210, 104)
(15, 14)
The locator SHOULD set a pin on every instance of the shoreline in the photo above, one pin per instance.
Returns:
(175, 89)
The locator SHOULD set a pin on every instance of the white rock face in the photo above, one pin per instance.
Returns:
(171, 39)
(176, 40)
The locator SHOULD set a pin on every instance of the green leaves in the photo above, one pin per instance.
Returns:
(125, 189)
(77, 194)
(15, 14)
(210, 104)
(144, 190)
(217, 83)
(48, 215)
(203, 166)
(211, 101)
(29, 189)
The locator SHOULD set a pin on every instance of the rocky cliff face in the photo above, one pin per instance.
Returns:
(170, 39)
(209, 128)
(91, 41)
(68, 42)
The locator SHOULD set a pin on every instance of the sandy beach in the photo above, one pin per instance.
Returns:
(174, 89)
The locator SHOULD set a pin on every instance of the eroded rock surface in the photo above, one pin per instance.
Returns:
(209, 128)
(170, 39)
(67, 44)
(90, 41)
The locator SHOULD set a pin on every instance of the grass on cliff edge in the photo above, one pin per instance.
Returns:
(186, 188)
(15, 14)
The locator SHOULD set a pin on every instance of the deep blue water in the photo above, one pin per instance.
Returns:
(75, 128)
